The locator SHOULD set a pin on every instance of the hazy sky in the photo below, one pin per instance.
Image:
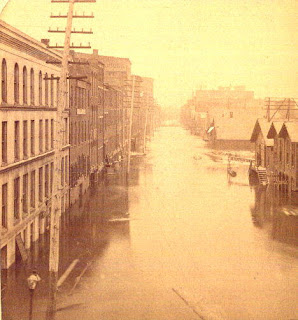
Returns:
(184, 44)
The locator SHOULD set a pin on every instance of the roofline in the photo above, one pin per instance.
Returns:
(127, 59)
(27, 38)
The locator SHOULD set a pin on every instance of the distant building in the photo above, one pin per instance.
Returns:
(113, 119)
(225, 117)
(86, 99)
(117, 74)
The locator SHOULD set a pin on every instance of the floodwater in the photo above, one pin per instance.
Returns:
(177, 240)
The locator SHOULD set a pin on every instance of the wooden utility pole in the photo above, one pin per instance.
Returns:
(58, 147)
(130, 122)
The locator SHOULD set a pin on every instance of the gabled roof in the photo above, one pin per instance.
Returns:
(290, 129)
(274, 129)
(261, 126)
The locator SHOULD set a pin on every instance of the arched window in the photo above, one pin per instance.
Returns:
(25, 85)
(16, 83)
(32, 87)
(46, 90)
(52, 90)
(40, 87)
(4, 81)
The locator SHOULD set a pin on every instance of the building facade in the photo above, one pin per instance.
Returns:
(117, 74)
(287, 152)
(29, 100)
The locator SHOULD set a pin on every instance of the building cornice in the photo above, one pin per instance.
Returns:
(18, 40)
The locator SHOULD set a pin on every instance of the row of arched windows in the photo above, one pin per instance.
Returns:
(45, 99)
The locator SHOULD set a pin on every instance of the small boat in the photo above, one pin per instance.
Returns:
(232, 173)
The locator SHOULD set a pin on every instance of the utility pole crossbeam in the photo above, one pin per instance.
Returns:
(72, 31)
(72, 46)
(74, 16)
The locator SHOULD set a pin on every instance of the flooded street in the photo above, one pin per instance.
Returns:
(175, 241)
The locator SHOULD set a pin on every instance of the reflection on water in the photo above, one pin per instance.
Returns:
(270, 212)
(178, 224)
(85, 235)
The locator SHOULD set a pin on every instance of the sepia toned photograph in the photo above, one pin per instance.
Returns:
(149, 159)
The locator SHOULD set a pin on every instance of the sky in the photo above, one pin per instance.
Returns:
(184, 45)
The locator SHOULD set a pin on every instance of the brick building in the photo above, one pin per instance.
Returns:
(29, 99)
(86, 98)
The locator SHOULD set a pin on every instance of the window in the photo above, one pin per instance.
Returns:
(62, 171)
(71, 133)
(66, 170)
(58, 86)
(32, 137)
(76, 97)
(65, 133)
(32, 87)
(46, 181)
(71, 96)
(79, 132)
(25, 193)
(288, 146)
(75, 133)
(52, 90)
(16, 83)
(4, 81)
(40, 136)
(16, 140)
(40, 87)
(40, 183)
(46, 90)
(52, 133)
(25, 139)
(4, 205)
(62, 204)
(47, 134)
(52, 176)
(32, 189)
(16, 198)
(25, 85)
(4, 142)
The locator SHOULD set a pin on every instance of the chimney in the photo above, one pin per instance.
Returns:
(95, 52)
(46, 42)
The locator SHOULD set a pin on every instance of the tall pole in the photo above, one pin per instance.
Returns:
(130, 122)
(58, 145)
